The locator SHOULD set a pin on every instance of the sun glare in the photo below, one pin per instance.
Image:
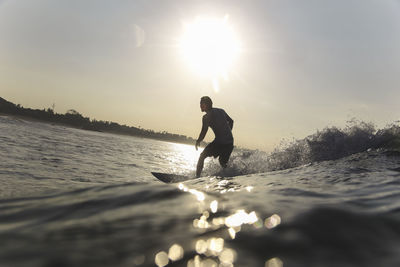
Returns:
(210, 46)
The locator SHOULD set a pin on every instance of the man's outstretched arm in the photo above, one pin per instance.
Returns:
(203, 133)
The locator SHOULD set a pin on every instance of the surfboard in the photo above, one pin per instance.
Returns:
(170, 177)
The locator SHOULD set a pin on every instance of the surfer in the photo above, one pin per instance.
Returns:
(222, 125)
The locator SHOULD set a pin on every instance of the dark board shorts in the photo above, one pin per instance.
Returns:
(223, 151)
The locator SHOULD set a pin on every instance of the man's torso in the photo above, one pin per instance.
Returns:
(216, 118)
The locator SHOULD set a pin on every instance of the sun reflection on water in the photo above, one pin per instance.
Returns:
(161, 259)
(241, 217)
(214, 206)
(249, 188)
(139, 260)
(274, 262)
(199, 195)
(184, 156)
(272, 221)
(212, 250)
(175, 252)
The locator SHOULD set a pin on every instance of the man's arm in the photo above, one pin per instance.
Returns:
(203, 132)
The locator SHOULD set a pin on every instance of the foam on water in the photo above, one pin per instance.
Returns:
(328, 144)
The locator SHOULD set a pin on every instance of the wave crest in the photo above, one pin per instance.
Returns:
(331, 143)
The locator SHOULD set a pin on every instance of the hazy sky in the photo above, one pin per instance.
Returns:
(303, 65)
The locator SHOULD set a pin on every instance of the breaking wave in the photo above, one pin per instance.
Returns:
(331, 143)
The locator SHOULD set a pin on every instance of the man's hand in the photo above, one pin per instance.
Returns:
(197, 144)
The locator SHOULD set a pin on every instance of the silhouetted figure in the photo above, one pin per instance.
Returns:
(222, 125)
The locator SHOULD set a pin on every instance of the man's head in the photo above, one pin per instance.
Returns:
(205, 103)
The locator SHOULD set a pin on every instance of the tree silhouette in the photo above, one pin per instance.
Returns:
(75, 119)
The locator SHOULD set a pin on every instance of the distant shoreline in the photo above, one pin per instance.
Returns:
(74, 119)
(30, 119)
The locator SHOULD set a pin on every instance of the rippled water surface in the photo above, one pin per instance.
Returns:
(76, 198)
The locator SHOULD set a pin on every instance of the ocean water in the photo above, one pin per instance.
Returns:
(78, 198)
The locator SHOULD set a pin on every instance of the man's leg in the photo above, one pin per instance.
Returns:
(225, 154)
(208, 151)
(200, 164)
(223, 162)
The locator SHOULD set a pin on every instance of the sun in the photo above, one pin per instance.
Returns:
(210, 46)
